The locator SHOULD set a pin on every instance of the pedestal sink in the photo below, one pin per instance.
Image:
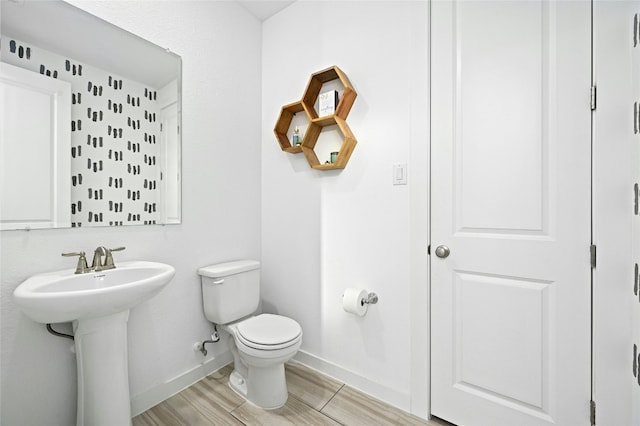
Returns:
(97, 304)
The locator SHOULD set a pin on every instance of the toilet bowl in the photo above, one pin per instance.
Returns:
(260, 344)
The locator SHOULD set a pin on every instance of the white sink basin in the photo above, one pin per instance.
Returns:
(62, 296)
(97, 304)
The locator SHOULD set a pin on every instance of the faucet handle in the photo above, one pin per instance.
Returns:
(108, 260)
(81, 267)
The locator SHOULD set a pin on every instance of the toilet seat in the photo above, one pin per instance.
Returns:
(268, 332)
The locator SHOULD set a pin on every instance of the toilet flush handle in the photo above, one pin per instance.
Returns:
(218, 281)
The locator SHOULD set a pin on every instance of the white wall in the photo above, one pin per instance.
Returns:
(325, 231)
(220, 46)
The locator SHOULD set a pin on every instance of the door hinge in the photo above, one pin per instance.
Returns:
(593, 98)
(592, 412)
(592, 252)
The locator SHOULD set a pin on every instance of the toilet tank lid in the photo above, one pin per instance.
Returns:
(228, 268)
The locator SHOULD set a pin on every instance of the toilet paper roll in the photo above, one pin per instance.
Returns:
(353, 301)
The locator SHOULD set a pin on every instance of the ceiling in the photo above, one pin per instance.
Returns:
(264, 9)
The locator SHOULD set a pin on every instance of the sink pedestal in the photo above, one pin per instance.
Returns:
(103, 374)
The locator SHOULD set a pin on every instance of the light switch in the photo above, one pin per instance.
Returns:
(399, 174)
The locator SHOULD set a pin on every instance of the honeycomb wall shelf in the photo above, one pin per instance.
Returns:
(315, 85)
(316, 123)
(348, 145)
(284, 123)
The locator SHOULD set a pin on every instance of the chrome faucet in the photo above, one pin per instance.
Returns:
(97, 264)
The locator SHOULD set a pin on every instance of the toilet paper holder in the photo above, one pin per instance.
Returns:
(371, 299)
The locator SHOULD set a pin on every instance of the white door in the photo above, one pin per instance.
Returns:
(35, 150)
(511, 156)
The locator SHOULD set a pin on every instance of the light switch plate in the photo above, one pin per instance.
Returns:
(400, 174)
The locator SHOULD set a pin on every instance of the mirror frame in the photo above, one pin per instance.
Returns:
(31, 22)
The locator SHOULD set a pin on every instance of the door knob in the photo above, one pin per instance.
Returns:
(442, 251)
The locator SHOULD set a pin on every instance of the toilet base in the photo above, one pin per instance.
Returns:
(238, 384)
(264, 387)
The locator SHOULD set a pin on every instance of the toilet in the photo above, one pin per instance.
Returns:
(260, 344)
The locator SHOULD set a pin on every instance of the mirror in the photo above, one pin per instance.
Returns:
(116, 160)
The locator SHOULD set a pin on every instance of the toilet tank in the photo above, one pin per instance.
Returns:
(230, 290)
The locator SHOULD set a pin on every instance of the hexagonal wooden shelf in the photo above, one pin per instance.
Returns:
(315, 85)
(283, 124)
(346, 149)
(316, 124)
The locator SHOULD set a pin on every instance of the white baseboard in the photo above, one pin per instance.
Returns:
(142, 402)
(402, 400)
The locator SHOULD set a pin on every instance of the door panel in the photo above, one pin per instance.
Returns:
(510, 185)
(500, 141)
(482, 302)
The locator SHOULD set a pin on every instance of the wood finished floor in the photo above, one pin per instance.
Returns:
(314, 399)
